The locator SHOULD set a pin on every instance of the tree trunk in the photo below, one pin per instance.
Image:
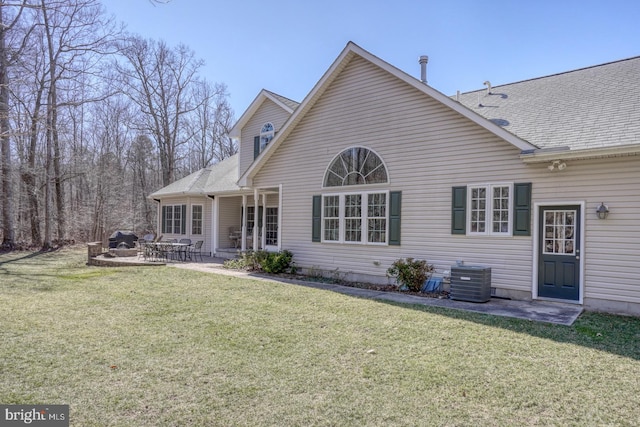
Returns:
(8, 223)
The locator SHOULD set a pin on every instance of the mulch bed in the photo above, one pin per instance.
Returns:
(364, 285)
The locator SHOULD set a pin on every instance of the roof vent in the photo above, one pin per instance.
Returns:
(487, 83)
(423, 68)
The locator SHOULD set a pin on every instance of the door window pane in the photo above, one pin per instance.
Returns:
(559, 232)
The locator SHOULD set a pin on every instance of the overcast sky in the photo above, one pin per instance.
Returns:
(286, 45)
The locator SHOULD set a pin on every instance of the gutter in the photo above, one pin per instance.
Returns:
(542, 155)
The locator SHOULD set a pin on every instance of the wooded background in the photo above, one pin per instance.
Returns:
(93, 119)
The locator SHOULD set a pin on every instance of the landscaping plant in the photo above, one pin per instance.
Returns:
(269, 262)
(410, 273)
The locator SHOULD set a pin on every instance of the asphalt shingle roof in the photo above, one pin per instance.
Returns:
(591, 107)
(218, 178)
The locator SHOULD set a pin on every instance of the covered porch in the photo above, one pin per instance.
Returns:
(249, 221)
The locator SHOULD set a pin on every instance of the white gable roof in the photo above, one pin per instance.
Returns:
(348, 53)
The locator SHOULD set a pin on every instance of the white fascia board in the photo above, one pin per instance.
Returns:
(563, 153)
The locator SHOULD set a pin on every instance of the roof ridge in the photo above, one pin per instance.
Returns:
(281, 96)
(553, 75)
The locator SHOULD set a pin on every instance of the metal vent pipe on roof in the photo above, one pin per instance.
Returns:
(423, 68)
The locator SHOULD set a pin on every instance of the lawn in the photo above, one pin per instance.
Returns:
(161, 346)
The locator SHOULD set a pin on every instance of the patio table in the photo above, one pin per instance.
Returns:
(162, 250)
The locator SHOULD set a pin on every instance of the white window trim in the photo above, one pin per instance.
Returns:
(364, 217)
(269, 135)
(489, 210)
(173, 219)
(201, 219)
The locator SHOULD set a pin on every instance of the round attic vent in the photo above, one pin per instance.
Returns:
(500, 122)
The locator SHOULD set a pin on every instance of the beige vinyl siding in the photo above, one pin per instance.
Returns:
(230, 211)
(611, 246)
(272, 200)
(206, 220)
(427, 149)
(269, 111)
(416, 138)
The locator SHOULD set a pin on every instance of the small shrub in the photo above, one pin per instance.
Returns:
(269, 262)
(237, 264)
(248, 261)
(410, 272)
(276, 262)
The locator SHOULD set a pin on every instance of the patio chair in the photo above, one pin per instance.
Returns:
(182, 251)
(235, 236)
(140, 246)
(152, 252)
(169, 251)
(196, 250)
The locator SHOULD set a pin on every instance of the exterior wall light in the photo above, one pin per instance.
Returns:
(602, 211)
(557, 165)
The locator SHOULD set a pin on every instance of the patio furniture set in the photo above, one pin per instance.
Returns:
(172, 249)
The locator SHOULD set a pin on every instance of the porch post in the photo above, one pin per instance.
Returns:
(256, 201)
(279, 231)
(263, 234)
(243, 244)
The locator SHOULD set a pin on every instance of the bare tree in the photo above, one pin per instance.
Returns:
(159, 80)
(8, 219)
(75, 31)
(209, 126)
(89, 148)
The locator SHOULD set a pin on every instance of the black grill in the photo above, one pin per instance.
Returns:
(122, 239)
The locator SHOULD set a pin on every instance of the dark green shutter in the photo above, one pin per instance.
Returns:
(522, 209)
(395, 201)
(256, 146)
(459, 210)
(260, 216)
(163, 220)
(316, 216)
(183, 226)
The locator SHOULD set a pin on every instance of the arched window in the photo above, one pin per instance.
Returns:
(266, 134)
(368, 216)
(355, 166)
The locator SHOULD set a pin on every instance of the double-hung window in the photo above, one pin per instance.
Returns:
(356, 208)
(174, 219)
(492, 209)
(355, 218)
(331, 218)
(196, 219)
(489, 209)
(251, 219)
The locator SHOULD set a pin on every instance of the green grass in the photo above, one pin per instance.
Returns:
(161, 346)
